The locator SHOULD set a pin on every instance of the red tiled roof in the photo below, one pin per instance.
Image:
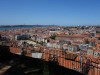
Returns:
(15, 50)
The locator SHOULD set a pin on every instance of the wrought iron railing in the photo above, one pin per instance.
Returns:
(87, 66)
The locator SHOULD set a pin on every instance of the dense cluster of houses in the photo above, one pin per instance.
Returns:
(71, 39)
(82, 41)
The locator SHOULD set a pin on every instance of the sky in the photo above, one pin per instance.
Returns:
(50, 12)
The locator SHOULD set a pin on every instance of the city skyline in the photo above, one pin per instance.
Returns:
(49, 12)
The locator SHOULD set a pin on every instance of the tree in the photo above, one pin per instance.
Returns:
(53, 37)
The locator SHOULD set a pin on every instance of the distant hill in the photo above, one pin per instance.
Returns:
(4, 26)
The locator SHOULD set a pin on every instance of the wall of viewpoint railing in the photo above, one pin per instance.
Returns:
(78, 63)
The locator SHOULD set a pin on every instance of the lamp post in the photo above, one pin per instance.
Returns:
(81, 60)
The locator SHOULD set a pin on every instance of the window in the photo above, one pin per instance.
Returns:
(98, 54)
